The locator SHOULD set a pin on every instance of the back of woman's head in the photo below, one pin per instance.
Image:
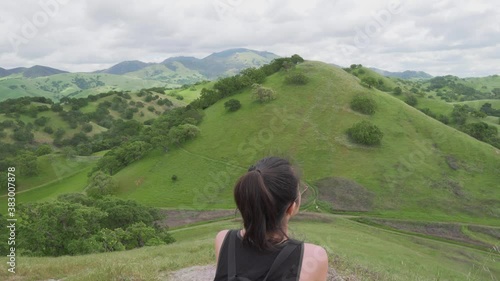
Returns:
(262, 196)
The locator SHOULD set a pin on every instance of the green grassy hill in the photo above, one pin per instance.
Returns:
(424, 173)
(422, 168)
(74, 85)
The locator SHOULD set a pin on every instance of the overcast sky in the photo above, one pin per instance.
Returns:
(440, 37)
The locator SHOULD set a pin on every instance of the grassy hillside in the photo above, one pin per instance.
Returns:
(422, 169)
(356, 252)
(75, 85)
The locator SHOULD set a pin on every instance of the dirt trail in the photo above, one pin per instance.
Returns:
(207, 273)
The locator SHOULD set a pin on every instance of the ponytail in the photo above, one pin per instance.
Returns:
(262, 195)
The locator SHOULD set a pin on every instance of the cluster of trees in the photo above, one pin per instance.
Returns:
(459, 117)
(450, 88)
(121, 156)
(91, 82)
(489, 110)
(21, 105)
(482, 132)
(440, 117)
(229, 86)
(77, 224)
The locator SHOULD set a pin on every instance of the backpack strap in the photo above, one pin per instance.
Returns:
(282, 256)
(231, 269)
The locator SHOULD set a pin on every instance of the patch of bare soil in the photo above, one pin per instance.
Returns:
(345, 194)
(177, 218)
(443, 230)
(207, 273)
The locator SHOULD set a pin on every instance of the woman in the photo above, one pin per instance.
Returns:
(267, 196)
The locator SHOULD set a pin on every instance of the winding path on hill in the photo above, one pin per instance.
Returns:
(50, 182)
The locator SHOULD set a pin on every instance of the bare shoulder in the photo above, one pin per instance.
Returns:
(220, 236)
(219, 239)
(315, 251)
(314, 263)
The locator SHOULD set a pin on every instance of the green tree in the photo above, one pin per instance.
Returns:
(48, 130)
(23, 135)
(363, 105)
(87, 127)
(232, 105)
(59, 133)
(54, 228)
(397, 91)
(263, 94)
(41, 121)
(182, 133)
(296, 59)
(411, 100)
(460, 113)
(369, 81)
(296, 79)
(100, 184)
(43, 149)
(27, 164)
(365, 133)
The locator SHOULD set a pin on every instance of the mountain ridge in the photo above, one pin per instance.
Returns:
(407, 74)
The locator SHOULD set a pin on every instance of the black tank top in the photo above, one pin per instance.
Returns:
(254, 264)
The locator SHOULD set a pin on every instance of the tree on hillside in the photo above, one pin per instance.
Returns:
(480, 131)
(363, 105)
(459, 114)
(296, 59)
(263, 94)
(411, 100)
(100, 184)
(182, 133)
(397, 91)
(369, 81)
(365, 133)
(232, 105)
(297, 79)
(26, 163)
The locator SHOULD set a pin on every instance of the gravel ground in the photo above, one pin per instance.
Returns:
(207, 273)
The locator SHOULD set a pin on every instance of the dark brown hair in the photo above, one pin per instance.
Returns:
(262, 196)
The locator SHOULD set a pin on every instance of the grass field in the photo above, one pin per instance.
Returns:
(356, 251)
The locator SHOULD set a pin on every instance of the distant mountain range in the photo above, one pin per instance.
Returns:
(408, 74)
(32, 72)
(127, 75)
(228, 62)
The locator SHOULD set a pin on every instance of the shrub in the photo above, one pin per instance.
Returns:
(397, 91)
(232, 105)
(411, 100)
(87, 127)
(365, 133)
(263, 94)
(48, 130)
(174, 177)
(363, 105)
(296, 79)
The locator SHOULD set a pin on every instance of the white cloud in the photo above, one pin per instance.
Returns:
(440, 37)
